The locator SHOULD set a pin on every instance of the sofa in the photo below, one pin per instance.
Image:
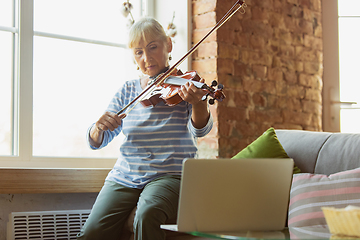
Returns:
(329, 163)
(330, 177)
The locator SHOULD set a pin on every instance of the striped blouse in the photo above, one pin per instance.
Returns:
(157, 139)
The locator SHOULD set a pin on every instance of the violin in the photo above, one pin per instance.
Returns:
(168, 92)
(162, 79)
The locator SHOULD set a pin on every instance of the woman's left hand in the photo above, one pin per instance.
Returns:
(190, 93)
(193, 95)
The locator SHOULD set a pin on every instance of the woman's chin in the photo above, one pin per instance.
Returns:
(152, 72)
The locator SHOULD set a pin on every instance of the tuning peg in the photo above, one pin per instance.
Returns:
(214, 83)
(221, 86)
(211, 101)
(204, 97)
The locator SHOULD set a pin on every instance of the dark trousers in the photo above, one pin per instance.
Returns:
(156, 203)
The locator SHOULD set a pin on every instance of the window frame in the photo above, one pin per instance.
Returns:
(331, 82)
(48, 174)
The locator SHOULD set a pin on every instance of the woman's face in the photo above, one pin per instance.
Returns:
(152, 56)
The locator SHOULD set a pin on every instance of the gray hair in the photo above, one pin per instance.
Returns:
(146, 29)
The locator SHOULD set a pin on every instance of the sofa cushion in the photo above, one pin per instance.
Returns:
(339, 153)
(304, 147)
(310, 192)
(265, 146)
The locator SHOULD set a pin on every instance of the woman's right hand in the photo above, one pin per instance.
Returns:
(107, 121)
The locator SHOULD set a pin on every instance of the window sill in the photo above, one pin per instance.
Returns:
(51, 180)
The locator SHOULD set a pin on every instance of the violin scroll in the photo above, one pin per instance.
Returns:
(215, 94)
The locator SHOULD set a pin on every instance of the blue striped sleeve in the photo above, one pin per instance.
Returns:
(202, 131)
(108, 137)
(114, 106)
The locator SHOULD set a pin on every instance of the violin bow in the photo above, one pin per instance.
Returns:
(240, 4)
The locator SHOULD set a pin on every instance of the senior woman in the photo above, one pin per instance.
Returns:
(148, 170)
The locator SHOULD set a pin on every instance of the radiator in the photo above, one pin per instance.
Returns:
(46, 224)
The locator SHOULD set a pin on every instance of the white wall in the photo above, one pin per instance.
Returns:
(163, 12)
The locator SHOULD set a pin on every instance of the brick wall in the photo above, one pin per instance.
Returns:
(270, 61)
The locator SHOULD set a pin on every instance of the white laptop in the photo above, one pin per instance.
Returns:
(231, 195)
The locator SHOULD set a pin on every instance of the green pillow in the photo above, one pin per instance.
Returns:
(265, 146)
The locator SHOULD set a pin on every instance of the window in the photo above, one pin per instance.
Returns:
(349, 50)
(5, 92)
(340, 41)
(7, 38)
(57, 58)
(74, 80)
